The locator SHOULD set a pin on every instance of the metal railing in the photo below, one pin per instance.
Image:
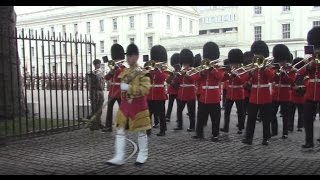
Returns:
(50, 73)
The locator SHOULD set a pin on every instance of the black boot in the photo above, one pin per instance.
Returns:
(247, 141)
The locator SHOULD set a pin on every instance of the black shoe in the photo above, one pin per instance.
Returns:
(190, 130)
(178, 128)
(111, 164)
(274, 134)
(167, 119)
(247, 141)
(318, 140)
(138, 163)
(284, 137)
(107, 129)
(223, 130)
(265, 142)
(239, 132)
(188, 114)
(306, 146)
(214, 139)
(156, 125)
(299, 130)
(149, 132)
(197, 137)
(161, 134)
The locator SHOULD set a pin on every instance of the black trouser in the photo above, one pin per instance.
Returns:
(224, 96)
(158, 109)
(292, 113)
(172, 97)
(285, 117)
(191, 109)
(309, 111)
(266, 115)
(204, 110)
(240, 112)
(109, 118)
(245, 105)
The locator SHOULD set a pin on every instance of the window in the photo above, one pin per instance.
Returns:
(316, 23)
(131, 40)
(226, 29)
(149, 20)
(32, 51)
(214, 31)
(257, 9)
(203, 32)
(191, 26)
(101, 46)
(180, 24)
(168, 21)
(285, 31)
(257, 33)
(285, 8)
(75, 28)
(88, 27)
(115, 41)
(115, 24)
(150, 42)
(101, 25)
(131, 20)
(63, 48)
(64, 31)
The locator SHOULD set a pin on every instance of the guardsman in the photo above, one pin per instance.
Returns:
(209, 102)
(96, 94)
(283, 79)
(297, 98)
(312, 87)
(133, 112)
(235, 91)
(187, 90)
(157, 95)
(117, 54)
(173, 87)
(260, 96)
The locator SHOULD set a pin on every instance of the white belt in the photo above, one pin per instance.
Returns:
(186, 85)
(117, 84)
(314, 80)
(157, 85)
(235, 86)
(282, 85)
(261, 86)
(301, 86)
(210, 87)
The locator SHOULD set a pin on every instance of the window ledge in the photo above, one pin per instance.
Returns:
(257, 15)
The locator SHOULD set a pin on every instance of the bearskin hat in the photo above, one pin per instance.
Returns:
(211, 51)
(175, 59)
(186, 57)
(247, 57)
(260, 47)
(132, 49)
(197, 60)
(117, 52)
(96, 61)
(296, 60)
(313, 37)
(235, 56)
(159, 53)
(280, 53)
(226, 62)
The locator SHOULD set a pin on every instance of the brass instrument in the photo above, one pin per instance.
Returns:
(258, 62)
(308, 60)
(112, 64)
(163, 66)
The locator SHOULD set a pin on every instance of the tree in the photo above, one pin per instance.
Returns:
(11, 94)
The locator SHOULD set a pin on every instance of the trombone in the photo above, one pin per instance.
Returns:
(258, 62)
(112, 64)
(308, 60)
(163, 66)
(206, 64)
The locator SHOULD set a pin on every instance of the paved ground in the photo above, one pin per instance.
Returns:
(84, 152)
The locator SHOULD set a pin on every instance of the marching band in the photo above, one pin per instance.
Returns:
(257, 83)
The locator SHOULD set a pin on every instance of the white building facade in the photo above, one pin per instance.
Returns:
(143, 25)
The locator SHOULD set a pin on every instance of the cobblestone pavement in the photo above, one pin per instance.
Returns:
(85, 152)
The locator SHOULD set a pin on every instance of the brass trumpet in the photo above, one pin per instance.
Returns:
(112, 64)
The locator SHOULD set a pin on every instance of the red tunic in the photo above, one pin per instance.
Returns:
(313, 84)
(260, 90)
(171, 89)
(235, 89)
(114, 90)
(187, 90)
(157, 90)
(281, 89)
(210, 84)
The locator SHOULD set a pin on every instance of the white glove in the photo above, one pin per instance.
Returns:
(124, 86)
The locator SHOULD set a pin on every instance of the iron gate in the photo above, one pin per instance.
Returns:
(50, 74)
